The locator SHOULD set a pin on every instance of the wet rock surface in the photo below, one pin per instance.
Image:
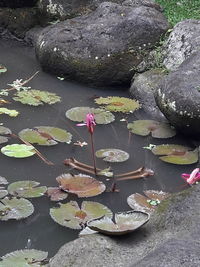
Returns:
(171, 236)
(178, 96)
(144, 87)
(102, 48)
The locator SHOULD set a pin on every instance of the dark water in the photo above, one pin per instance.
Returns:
(42, 231)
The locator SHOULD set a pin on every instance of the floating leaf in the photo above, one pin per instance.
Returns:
(24, 258)
(82, 185)
(15, 208)
(106, 172)
(4, 130)
(118, 104)
(3, 192)
(70, 215)
(78, 114)
(125, 222)
(176, 154)
(10, 112)
(56, 194)
(2, 69)
(3, 180)
(112, 155)
(3, 139)
(36, 97)
(157, 129)
(45, 135)
(18, 150)
(26, 189)
(87, 231)
(146, 203)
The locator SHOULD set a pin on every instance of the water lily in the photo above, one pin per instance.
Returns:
(193, 177)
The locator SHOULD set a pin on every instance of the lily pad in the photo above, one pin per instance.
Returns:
(5, 130)
(36, 97)
(26, 189)
(82, 185)
(70, 215)
(146, 203)
(15, 208)
(56, 194)
(118, 104)
(124, 223)
(18, 150)
(10, 112)
(157, 129)
(112, 155)
(101, 116)
(45, 135)
(2, 69)
(3, 192)
(3, 180)
(24, 258)
(176, 154)
(3, 139)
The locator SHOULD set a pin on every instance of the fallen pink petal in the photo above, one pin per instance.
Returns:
(193, 177)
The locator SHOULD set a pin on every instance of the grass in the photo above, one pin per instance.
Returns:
(179, 10)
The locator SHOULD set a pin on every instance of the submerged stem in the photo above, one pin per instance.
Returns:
(93, 153)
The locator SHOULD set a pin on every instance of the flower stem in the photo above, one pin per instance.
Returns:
(93, 153)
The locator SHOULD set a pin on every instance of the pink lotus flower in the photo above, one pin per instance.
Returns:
(90, 122)
(193, 177)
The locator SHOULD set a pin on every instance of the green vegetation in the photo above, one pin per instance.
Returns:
(180, 10)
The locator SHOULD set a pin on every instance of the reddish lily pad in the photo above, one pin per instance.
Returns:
(176, 154)
(24, 258)
(15, 208)
(124, 223)
(157, 129)
(26, 189)
(112, 155)
(146, 203)
(45, 135)
(56, 194)
(82, 185)
(70, 215)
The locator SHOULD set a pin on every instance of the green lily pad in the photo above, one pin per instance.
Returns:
(3, 180)
(45, 135)
(125, 222)
(70, 215)
(82, 185)
(24, 258)
(176, 154)
(78, 114)
(10, 112)
(112, 155)
(36, 97)
(15, 208)
(56, 194)
(26, 189)
(146, 203)
(3, 192)
(157, 129)
(2, 69)
(18, 151)
(118, 104)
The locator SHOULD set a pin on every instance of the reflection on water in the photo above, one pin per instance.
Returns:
(39, 231)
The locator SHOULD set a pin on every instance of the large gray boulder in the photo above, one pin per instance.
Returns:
(17, 3)
(182, 42)
(170, 238)
(62, 9)
(102, 48)
(178, 96)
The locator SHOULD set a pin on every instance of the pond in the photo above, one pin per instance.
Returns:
(39, 231)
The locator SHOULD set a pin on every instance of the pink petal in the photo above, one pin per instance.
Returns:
(81, 124)
(193, 176)
(185, 176)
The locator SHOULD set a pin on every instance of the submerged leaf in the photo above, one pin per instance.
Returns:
(15, 208)
(36, 97)
(2, 69)
(176, 154)
(101, 116)
(112, 155)
(157, 129)
(24, 258)
(45, 135)
(125, 222)
(56, 194)
(18, 150)
(26, 189)
(118, 104)
(82, 185)
(70, 215)
(10, 112)
(3, 180)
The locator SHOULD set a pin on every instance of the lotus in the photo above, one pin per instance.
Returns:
(193, 177)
